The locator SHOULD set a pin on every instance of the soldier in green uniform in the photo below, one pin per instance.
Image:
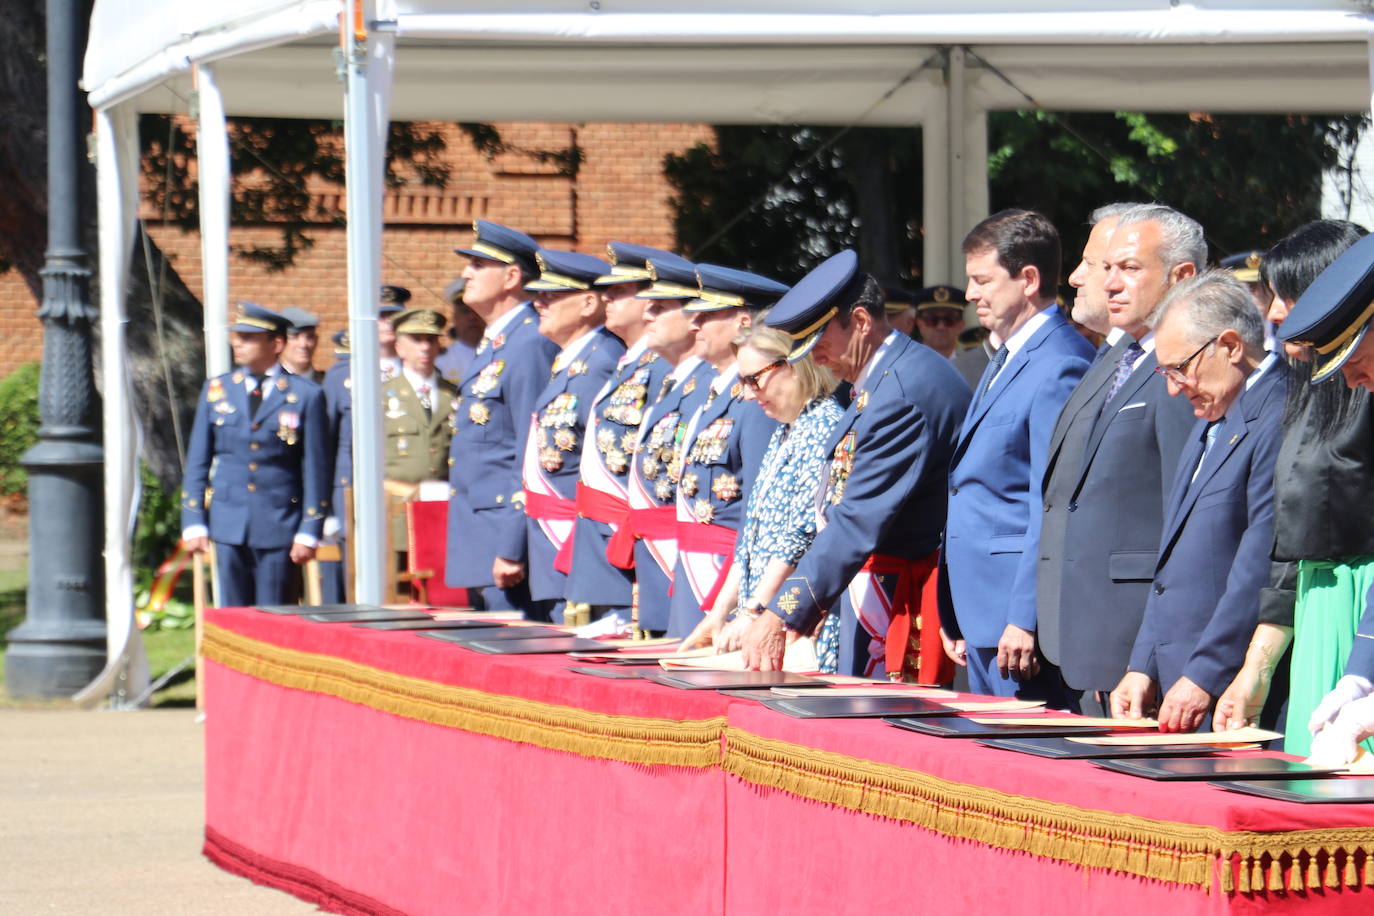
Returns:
(417, 405)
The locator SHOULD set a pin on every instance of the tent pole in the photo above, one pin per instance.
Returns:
(935, 197)
(975, 132)
(368, 62)
(955, 116)
(212, 151)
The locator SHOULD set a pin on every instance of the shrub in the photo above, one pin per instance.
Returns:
(18, 426)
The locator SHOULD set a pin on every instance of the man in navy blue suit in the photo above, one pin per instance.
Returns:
(257, 466)
(992, 536)
(571, 314)
(884, 499)
(1219, 521)
(1111, 463)
(487, 549)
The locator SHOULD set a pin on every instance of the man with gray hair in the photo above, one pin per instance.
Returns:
(1214, 552)
(1110, 465)
(1090, 276)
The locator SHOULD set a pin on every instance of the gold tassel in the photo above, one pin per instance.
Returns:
(627, 739)
(1256, 874)
(1351, 877)
(1313, 871)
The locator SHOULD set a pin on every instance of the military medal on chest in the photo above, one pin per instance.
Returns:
(726, 487)
(393, 407)
(215, 391)
(841, 465)
(626, 403)
(288, 426)
(711, 442)
(479, 413)
(488, 378)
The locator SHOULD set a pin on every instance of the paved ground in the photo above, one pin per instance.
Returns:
(102, 812)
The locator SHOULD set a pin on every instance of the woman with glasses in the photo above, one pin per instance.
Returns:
(1323, 554)
(780, 516)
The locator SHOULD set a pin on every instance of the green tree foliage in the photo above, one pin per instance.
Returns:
(18, 426)
(274, 162)
(1249, 179)
(780, 199)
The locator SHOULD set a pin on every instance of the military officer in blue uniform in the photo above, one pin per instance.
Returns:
(648, 544)
(722, 446)
(257, 467)
(487, 549)
(884, 499)
(302, 337)
(571, 314)
(612, 427)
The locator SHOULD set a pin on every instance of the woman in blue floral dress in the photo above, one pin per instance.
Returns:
(780, 516)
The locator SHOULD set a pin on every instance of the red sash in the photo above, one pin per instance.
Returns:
(922, 659)
(611, 510)
(553, 508)
(716, 539)
(656, 524)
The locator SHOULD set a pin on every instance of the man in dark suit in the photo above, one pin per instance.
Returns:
(992, 536)
(1219, 524)
(257, 467)
(1110, 466)
(487, 549)
(883, 504)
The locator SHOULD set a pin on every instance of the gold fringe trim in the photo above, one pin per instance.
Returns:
(1169, 851)
(628, 739)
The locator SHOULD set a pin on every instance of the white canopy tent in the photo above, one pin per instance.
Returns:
(937, 64)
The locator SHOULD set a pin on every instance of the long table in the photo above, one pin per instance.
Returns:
(380, 772)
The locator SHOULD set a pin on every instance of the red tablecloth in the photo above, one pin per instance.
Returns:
(380, 772)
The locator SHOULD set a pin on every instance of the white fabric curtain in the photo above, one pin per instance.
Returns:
(126, 670)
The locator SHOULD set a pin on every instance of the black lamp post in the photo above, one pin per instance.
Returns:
(60, 646)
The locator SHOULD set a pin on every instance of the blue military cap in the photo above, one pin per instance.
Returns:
(496, 242)
(392, 299)
(806, 309)
(1333, 314)
(560, 271)
(938, 297)
(673, 278)
(256, 319)
(1245, 265)
(299, 319)
(728, 288)
(630, 263)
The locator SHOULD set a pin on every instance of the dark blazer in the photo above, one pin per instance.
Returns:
(992, 536)
(1107, 479)
(270, 477)
(561, 412)
(888, 479)
(1204, 602)
(485, 517)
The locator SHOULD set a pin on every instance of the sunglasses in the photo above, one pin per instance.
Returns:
(755, 382)
(948, 320)
(1178, 374)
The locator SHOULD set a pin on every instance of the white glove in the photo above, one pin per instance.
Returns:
(1348, 689)
(332, 529)
(1337, 743)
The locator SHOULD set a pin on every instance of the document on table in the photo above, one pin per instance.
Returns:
(1234, 736)
(899, 690)
(800, 657)
(1062, 721)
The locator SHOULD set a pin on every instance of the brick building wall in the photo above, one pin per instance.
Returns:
(618, 193)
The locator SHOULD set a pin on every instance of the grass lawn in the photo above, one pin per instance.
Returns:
(166, 648)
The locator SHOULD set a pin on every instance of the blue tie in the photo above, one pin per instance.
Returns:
(999, 359)
(1123, 369)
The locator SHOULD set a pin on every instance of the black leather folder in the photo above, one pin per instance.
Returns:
(316, 609)
(959, 727)
(855, 707)
(1307, 791)
(551, 646)
(614, 674)
(493, 633)
(694, 679)
(372, 616)
(1215, 768)
(1064, 749)
(428, 623)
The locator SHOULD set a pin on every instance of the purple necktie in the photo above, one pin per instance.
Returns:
(1123, 369)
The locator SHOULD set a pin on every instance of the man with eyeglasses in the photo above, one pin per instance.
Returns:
(1111, 462)
(1213, 557)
